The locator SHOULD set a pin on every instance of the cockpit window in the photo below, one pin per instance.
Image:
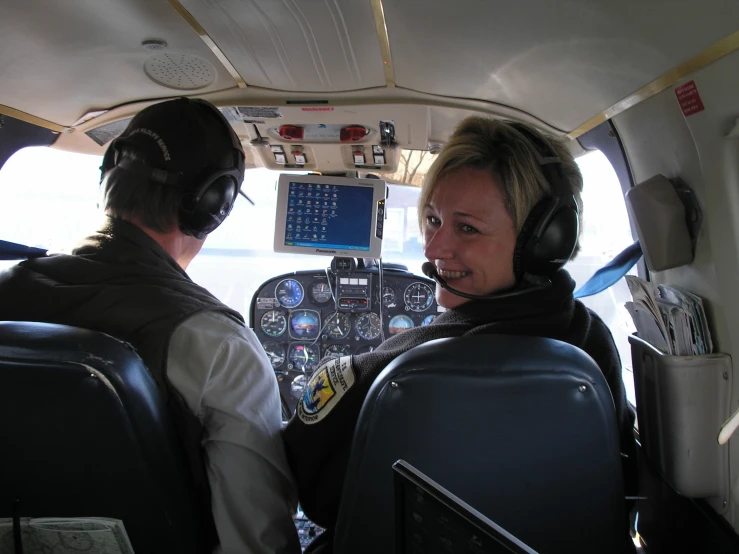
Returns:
(605, 233)
(412, 167)
(238, 256)
(49, 199)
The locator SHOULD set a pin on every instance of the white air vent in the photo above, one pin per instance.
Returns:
(180, 71)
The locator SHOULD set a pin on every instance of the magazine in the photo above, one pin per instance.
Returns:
(66, 536)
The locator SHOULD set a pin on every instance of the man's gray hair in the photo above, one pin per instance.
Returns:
(126, 194)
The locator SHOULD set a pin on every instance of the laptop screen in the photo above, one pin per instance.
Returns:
(430, 520)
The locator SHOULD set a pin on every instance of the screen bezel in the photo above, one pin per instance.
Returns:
(405, 475)
(379, 193)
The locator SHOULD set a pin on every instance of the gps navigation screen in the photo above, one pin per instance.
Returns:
(328, 216)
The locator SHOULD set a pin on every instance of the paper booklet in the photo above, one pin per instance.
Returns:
(670, 318)
(66, 536)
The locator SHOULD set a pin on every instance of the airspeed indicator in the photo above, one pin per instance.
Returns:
(273, 323)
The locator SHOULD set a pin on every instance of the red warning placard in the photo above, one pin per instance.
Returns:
(689, 99)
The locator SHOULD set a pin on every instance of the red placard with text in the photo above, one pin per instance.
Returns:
(689, 99)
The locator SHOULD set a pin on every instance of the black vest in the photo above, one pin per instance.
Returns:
(121, 282)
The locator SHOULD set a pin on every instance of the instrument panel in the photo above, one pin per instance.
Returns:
(302, 317)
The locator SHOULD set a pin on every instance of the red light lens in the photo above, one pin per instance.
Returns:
(352, 133)
(291, 132)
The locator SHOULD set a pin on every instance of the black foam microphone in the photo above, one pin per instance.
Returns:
(429, 270)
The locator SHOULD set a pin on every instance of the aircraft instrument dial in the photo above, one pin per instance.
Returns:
(298, 386)
(338, 326)
(418, 297)
(303, 357)
(289, 293)
(320, 292)
(304, 324)
(273, 323)
(368, 326)
(336, 351)
(400, 323)
(275, 353)
(388, 297)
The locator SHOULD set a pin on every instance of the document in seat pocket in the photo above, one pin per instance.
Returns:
(67, 535)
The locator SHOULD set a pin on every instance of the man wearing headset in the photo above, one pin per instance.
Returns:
(170, 179)
(499, 212)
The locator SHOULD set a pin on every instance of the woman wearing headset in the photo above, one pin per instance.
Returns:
(499, 211)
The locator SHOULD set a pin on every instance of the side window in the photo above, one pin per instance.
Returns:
(605, 233)
(48, 198)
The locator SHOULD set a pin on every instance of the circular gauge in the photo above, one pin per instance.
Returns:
(275, 353)
(303, 357)
(428, 319)
(304, 324)
(336, 351)
(320, 292)
(418, 297)
(273, 323)
(297, 386)
(366, 348)
(400, 323)
(388, 296)
(368, 326)
(338, 326)
(289, 293)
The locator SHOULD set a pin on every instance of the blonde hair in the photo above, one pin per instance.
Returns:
(496, 146)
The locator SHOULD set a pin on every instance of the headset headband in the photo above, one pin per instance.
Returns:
(550, 163)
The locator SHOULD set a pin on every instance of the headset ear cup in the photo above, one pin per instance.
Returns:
(109, 160)
(201, 213)
(558, 240)
(556, 226)
(523, 242)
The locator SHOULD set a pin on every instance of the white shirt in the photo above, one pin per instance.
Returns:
(222, 372)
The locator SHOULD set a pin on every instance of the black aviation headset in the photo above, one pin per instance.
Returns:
(549, 235)
(208, 199)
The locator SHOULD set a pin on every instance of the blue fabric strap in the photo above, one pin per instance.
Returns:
(13, 251)
(610, 273)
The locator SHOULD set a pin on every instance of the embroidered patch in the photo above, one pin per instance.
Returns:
(324, 390)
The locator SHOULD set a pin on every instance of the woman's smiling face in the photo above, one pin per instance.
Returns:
(469, 235)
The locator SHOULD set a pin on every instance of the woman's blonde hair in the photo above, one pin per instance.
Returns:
(496, 146)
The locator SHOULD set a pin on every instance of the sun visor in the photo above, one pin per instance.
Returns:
(659, 215)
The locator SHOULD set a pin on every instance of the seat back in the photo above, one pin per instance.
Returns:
(523, 429)
(85, 433)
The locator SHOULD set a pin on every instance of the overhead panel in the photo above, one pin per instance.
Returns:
(58, 63)
(563, 62)
(295, 45)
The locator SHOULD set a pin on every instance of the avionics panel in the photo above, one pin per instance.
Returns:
(296, 318)
(331, 216)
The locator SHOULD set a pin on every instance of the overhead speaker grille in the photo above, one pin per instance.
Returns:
(180, 71)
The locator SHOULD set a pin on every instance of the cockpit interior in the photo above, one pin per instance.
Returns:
(342, 107)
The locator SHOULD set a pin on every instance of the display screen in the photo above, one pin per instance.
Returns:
(329, 216)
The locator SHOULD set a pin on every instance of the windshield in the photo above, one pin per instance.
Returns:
(238, 256)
